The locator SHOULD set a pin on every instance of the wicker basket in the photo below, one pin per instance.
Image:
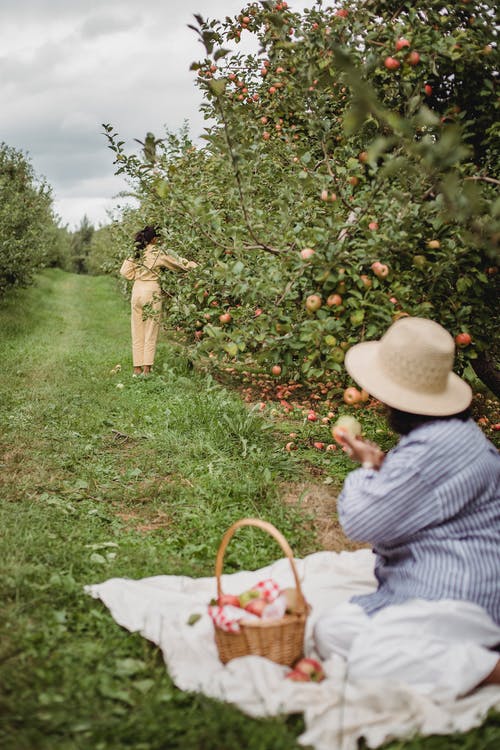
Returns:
(281, 640)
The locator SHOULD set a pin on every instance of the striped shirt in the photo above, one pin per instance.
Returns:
(432, 514)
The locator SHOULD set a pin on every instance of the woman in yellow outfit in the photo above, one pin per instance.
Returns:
(144, 270)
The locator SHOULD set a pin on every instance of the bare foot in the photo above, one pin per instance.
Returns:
(146, 369)
(137, 370)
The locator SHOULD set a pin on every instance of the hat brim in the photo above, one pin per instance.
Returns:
(363, 365)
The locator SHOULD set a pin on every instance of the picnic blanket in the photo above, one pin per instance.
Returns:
(337, 711)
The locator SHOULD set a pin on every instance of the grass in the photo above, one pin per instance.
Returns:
(104, 475)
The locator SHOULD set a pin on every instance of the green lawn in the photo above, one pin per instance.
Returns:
(99, 480)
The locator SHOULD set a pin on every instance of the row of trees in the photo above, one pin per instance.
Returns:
(348, 176)
(31, 236)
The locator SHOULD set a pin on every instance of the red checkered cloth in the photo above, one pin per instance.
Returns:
(228, 617)
(268, 588)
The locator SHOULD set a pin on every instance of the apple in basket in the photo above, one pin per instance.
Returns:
(305, 669)
(228, 599)
(248, 596)
(256, 607)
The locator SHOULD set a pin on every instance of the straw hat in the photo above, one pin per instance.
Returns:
(410, 369)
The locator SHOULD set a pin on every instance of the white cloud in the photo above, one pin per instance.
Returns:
(67, 66)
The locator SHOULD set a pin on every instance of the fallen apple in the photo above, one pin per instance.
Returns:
(310, 667)
(297, 676)
(307, 253)
(352, 396)
(313, 302)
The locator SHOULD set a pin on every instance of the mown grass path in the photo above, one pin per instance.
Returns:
(104, 475)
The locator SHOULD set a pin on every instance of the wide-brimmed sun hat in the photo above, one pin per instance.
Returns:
(410, 369)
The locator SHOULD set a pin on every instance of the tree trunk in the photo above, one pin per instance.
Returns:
(485, 368)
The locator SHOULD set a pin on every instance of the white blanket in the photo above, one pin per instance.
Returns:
(337, 711)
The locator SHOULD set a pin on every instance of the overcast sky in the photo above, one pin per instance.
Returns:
(67, 66)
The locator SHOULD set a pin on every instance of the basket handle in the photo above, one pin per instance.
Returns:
(278, 536)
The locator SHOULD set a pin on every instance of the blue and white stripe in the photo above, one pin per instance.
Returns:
(432, 514)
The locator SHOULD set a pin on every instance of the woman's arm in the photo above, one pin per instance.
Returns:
(174, 264)
(128, 269)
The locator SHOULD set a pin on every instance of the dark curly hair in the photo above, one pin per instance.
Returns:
(404, 422)
(144, 237)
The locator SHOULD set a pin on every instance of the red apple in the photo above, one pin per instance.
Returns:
(318, 445)
(363, 157)
(324, 195)
(266, 135)
(256, 606)
(307, 253)
(334, 300)
(367, 282)
(258, 312)
(225, 318)
(380, 269)
(401, 43)
(230, 599)
(413, 58)
(290, 447)
(311, 668)
(352, 396)
(391, 63)
(276, 370)
(463, 339)
(312, 416)
(428, 89)
(313, 302)
(373, 225)
(297, 676)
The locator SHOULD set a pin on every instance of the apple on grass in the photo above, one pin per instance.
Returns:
(352, 396)
(307, 253)
(313, 302)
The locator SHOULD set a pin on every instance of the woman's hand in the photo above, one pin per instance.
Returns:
(367, 453)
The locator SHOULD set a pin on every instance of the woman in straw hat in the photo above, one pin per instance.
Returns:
(431, 510)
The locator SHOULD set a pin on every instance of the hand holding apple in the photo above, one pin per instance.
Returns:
(367, 453)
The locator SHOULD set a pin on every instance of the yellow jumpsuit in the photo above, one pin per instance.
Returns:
(144, 272)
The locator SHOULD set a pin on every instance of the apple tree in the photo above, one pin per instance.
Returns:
(347, 177)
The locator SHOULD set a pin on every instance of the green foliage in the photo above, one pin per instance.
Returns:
(368, 133)
(29, 236)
